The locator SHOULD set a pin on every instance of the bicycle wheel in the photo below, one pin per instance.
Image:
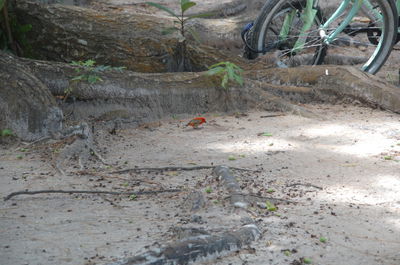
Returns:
(291, 31)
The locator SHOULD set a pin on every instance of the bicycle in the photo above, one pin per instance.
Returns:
(312, 32)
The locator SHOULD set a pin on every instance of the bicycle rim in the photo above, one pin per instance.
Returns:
(366, 42)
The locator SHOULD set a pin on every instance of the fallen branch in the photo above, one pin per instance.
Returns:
(197, 248)
(251, 197)
(88, 192)
(272, 115)
(304, 184)
(138, 169)
(232, 186)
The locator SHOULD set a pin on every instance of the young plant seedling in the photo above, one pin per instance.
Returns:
(227, 71)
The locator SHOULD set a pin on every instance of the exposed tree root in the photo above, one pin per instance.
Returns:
(88, 192)
(82, 147)
(305, 185)
(197, 248)
(138, 169)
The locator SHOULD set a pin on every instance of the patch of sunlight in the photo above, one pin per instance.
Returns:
(384, 189)
(253, 145)
(365, 148)
(389, 182)
(326, 130)
(363, 144)
(394, 222)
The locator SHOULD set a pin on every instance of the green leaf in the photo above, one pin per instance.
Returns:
(238, 79)
(93, 79)
(167, 31)
(76, 63)
(307, 261)
(24, 28)
(270, 206)
(217, 64)
(132, 197)
(208, 190)
(267, 134)
(231, 158)
(323, 239)
(225, 80)
(6, 132)
(89, 63)
(2, 2)
(185, 6)
(230, 72)
(101, 68)
(79, 78)
(161, 7)
(287, 253)
(215, 71)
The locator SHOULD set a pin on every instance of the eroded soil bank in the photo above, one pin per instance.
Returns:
(353, 155)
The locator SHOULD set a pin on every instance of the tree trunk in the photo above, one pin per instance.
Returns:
(66, 33)
(26, 105)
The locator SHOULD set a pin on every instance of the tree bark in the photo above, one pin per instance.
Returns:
(66, 33)
(26, 105)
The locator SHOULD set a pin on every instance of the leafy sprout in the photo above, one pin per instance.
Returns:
(228, 72)
(181, 19)
(6, 133)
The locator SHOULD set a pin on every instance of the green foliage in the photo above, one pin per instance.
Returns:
(6, 133)
(228, 72)
(208, 190)
(90, 72)
(323, 239)
(270, 206)
(181, 20)
(231, 158)
(13, 34)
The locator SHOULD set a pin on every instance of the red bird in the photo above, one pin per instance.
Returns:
(196, 122)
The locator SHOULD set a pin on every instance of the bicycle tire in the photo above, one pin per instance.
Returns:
(264, 36)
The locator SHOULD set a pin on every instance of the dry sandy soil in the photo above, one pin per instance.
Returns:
(353, 154)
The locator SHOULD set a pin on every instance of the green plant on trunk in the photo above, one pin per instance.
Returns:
(181, 27)
(89, 72)
(6, 133)
(12, 33)
(228, 72)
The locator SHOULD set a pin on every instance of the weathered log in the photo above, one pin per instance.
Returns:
(26, 105)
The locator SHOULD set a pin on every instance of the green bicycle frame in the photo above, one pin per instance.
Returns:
(309, 14)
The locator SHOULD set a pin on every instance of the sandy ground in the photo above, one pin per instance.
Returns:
(353, 154)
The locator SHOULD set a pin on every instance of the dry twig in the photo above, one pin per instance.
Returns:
(304, 184)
